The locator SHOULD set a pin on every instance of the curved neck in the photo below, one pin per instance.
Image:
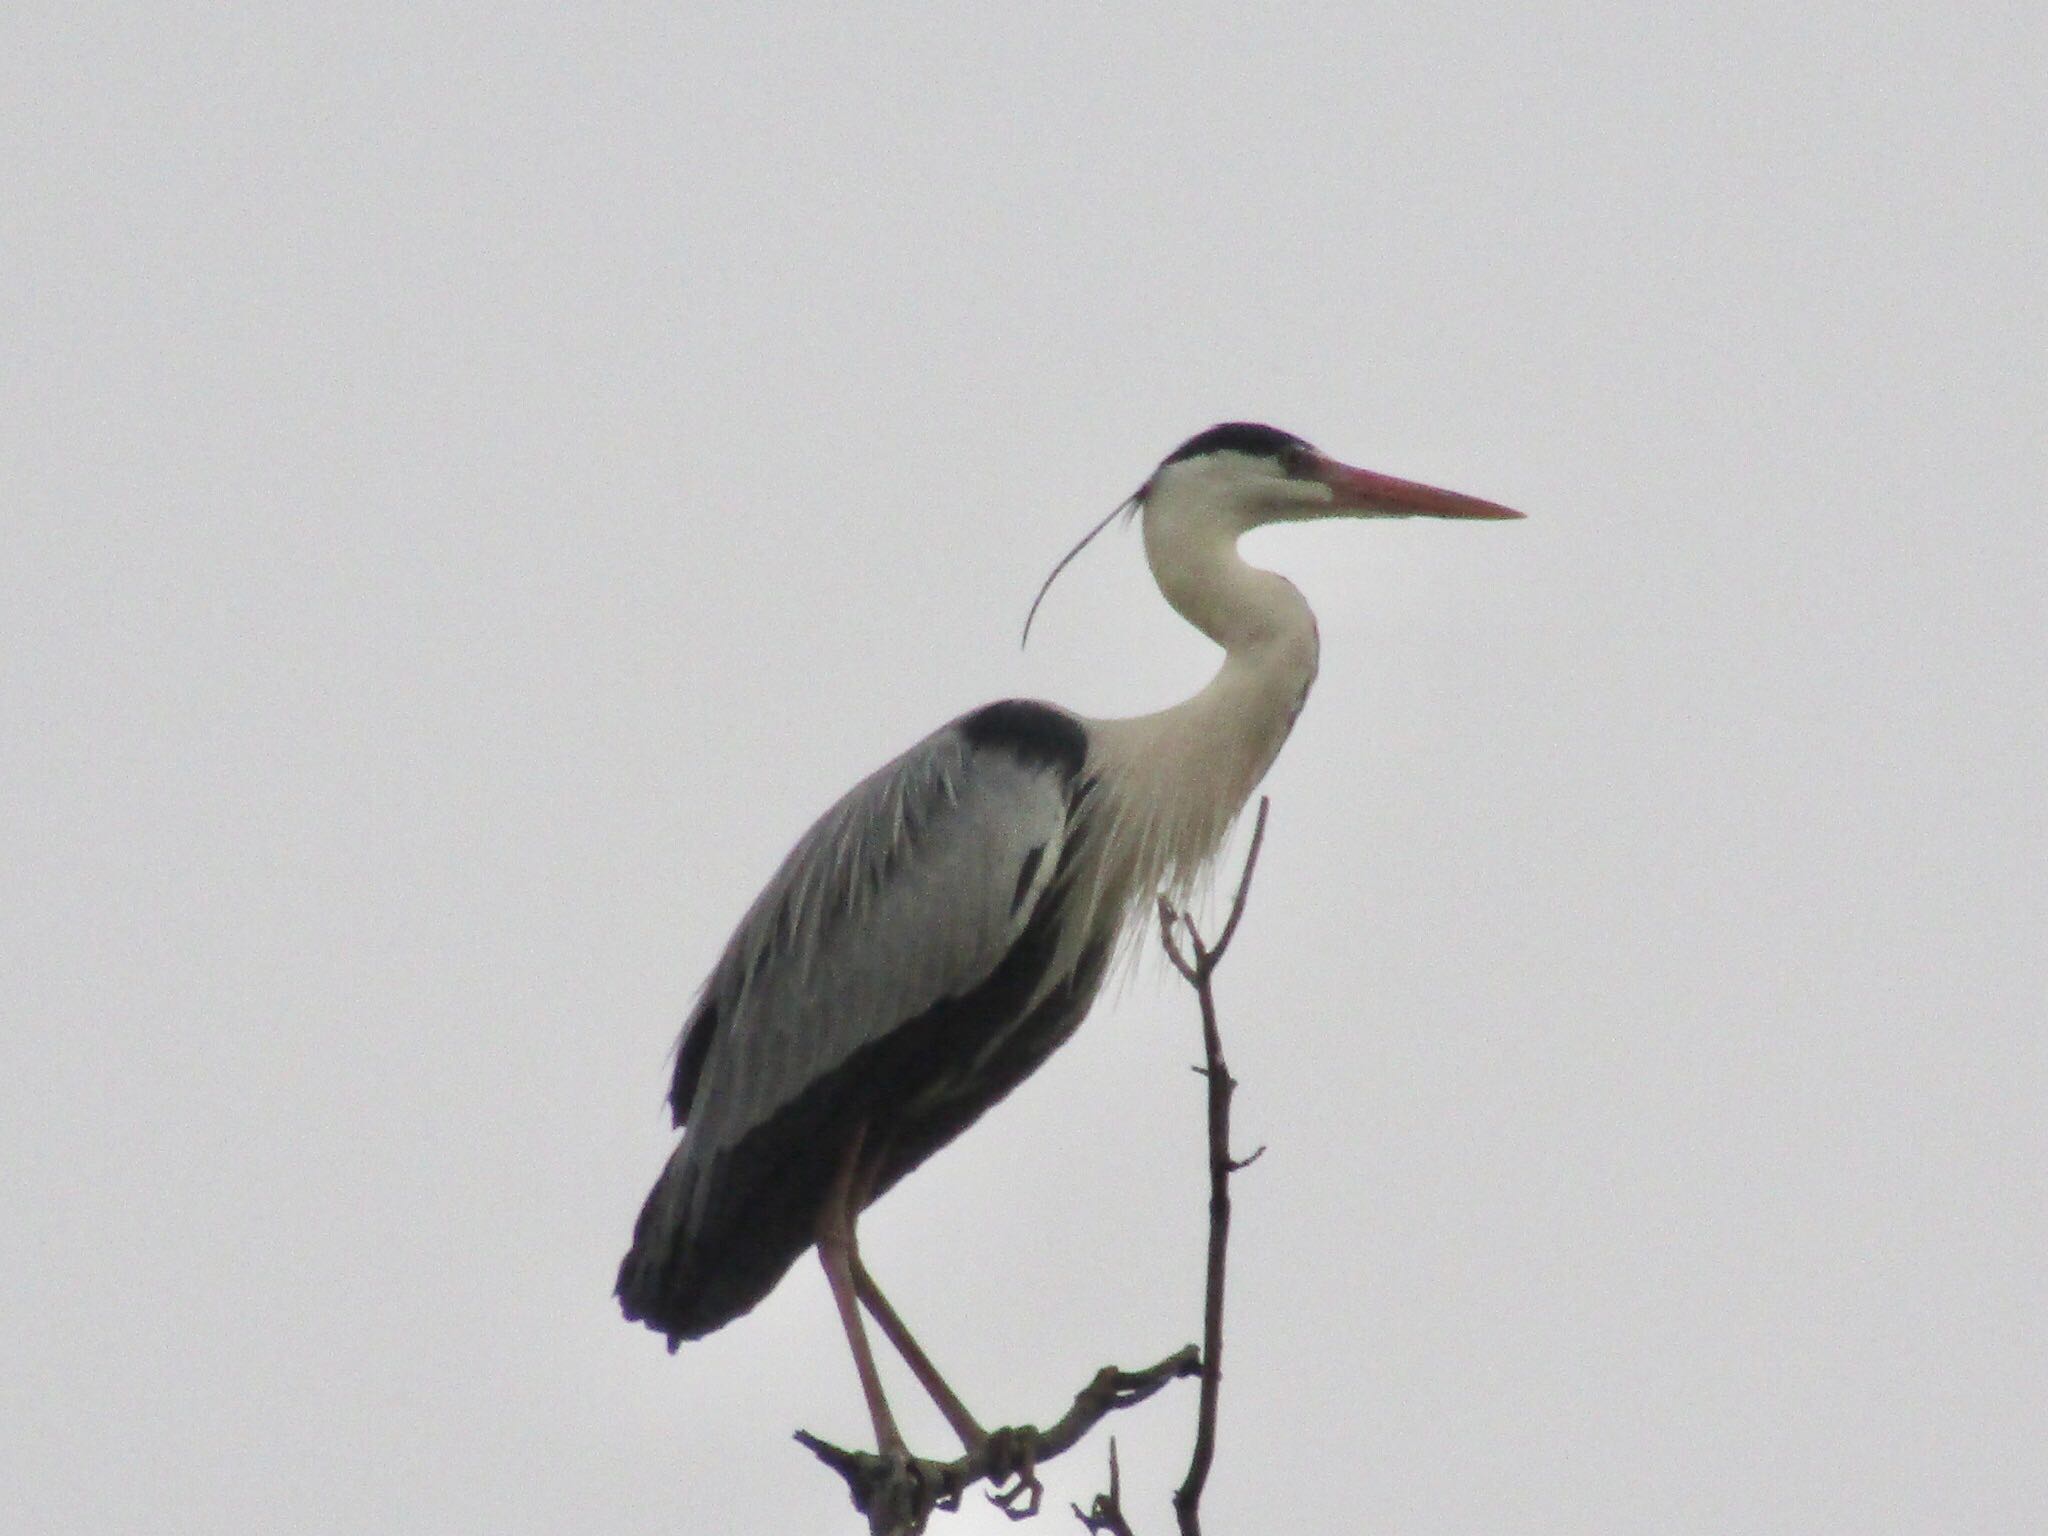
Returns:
(1172, 782)
(1239, 606)
(1235, 725)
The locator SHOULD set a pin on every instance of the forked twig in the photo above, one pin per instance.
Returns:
(1200, 972)
(1105, 1517)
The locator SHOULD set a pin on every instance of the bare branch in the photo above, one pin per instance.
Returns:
(1167, 918)
(898, 1495)
(1105, 1517)
(1200, 974)
(1244, 882)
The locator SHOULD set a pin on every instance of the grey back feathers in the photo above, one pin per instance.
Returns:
(909, 891)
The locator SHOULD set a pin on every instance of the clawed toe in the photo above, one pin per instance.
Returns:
(1013, 1459)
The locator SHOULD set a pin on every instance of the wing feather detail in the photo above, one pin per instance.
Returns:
(907, 892)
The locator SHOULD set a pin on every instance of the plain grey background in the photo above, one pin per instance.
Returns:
(479, 480)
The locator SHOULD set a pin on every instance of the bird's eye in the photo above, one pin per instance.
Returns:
(1293, 459)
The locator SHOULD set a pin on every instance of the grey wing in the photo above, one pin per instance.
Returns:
(909, 891)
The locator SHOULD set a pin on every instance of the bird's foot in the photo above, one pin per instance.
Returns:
(899, 1493)
(1011, 1457)
(895, 1490)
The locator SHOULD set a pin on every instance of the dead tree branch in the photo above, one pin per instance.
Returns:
(1197, 965)
(898, 1496)
(1105, 1517)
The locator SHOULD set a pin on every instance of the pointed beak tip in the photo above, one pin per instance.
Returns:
(1366, 491)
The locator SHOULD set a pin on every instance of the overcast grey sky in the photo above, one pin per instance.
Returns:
(479, 480)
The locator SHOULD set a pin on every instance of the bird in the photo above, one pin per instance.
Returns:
(946, 926)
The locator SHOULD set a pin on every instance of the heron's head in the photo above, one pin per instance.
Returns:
(1241, 475)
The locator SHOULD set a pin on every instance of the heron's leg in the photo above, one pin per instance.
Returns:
(836, 1252)
(971, 1434)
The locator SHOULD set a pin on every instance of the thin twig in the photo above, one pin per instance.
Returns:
(1244, 882)
(1200, 973)
(1105, 1517)
(1167, 918)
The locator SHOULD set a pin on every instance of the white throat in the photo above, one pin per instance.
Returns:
(1169, 785)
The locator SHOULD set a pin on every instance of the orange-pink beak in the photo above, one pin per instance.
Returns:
(1361, 490)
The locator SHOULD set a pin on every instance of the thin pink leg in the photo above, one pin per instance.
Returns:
(971, 1434)
(837, 1253)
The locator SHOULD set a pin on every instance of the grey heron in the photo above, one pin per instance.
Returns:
(945, 927)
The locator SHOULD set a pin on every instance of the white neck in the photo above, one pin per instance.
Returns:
(1239, 606)
(1169, 785)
